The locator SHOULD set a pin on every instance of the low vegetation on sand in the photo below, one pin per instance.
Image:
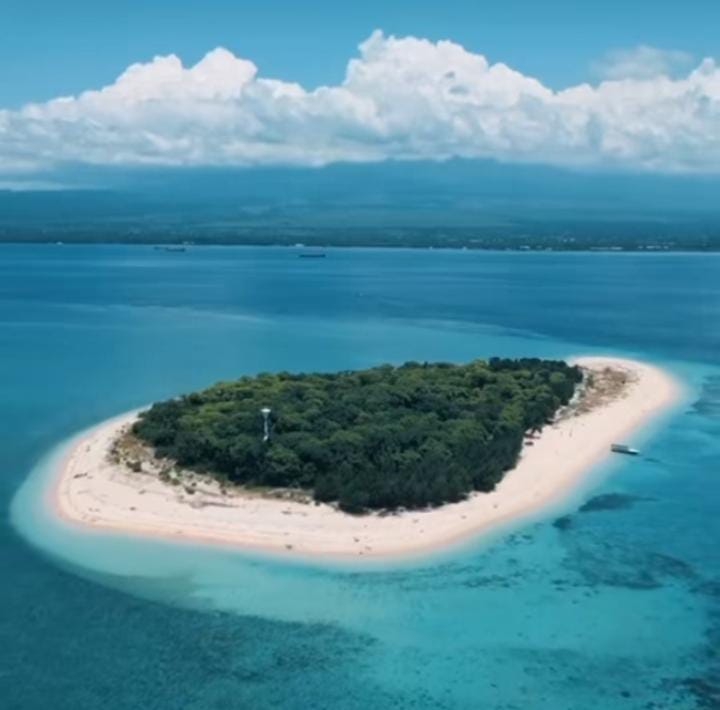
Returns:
(411, 436)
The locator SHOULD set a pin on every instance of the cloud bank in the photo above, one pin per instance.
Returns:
(643, 62)
(402, 98)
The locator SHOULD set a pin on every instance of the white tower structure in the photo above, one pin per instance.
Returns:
(266, 422)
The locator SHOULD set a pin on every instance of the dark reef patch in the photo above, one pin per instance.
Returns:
(708, 403)
(563, 523)
(710, 588)
(611, 501)
(152, 656)
(439, 577)
(705, 691)
(703, 685)
(605, 563)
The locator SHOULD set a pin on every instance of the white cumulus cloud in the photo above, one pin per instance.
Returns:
(402, 98)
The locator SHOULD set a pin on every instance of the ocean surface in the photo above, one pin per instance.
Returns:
(609, 600)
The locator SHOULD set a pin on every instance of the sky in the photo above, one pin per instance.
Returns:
(629, 85)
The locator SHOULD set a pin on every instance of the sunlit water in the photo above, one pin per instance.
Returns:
(601, 602)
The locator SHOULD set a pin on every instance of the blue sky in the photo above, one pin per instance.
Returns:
(50, 48)
(622, 85)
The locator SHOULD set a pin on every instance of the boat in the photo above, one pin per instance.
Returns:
(624, 449)
(319, 255)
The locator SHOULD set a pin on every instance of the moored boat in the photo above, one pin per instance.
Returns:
(624, 449)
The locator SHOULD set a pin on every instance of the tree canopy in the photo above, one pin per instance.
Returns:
(416, 435)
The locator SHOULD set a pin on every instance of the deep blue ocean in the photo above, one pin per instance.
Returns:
(610, 600)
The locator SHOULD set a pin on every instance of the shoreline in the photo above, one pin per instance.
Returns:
(91, 492)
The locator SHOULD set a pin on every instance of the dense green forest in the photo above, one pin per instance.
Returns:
(410, 436)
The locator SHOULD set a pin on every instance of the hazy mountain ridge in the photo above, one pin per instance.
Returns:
(457, 203)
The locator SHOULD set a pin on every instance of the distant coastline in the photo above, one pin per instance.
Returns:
(441, 204)
(346, 239)
(92, 492)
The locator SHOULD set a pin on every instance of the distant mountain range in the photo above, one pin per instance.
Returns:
(457, 203)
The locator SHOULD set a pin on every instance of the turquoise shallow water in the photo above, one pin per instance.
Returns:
(604, 601)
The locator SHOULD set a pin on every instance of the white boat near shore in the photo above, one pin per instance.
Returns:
(624, 449)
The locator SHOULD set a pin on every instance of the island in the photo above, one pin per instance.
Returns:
(383, 438)
(382, 461)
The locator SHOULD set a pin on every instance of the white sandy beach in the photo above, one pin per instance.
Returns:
(91, 491)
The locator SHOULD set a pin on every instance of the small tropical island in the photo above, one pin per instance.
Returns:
(389, 437)
(391, 460)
